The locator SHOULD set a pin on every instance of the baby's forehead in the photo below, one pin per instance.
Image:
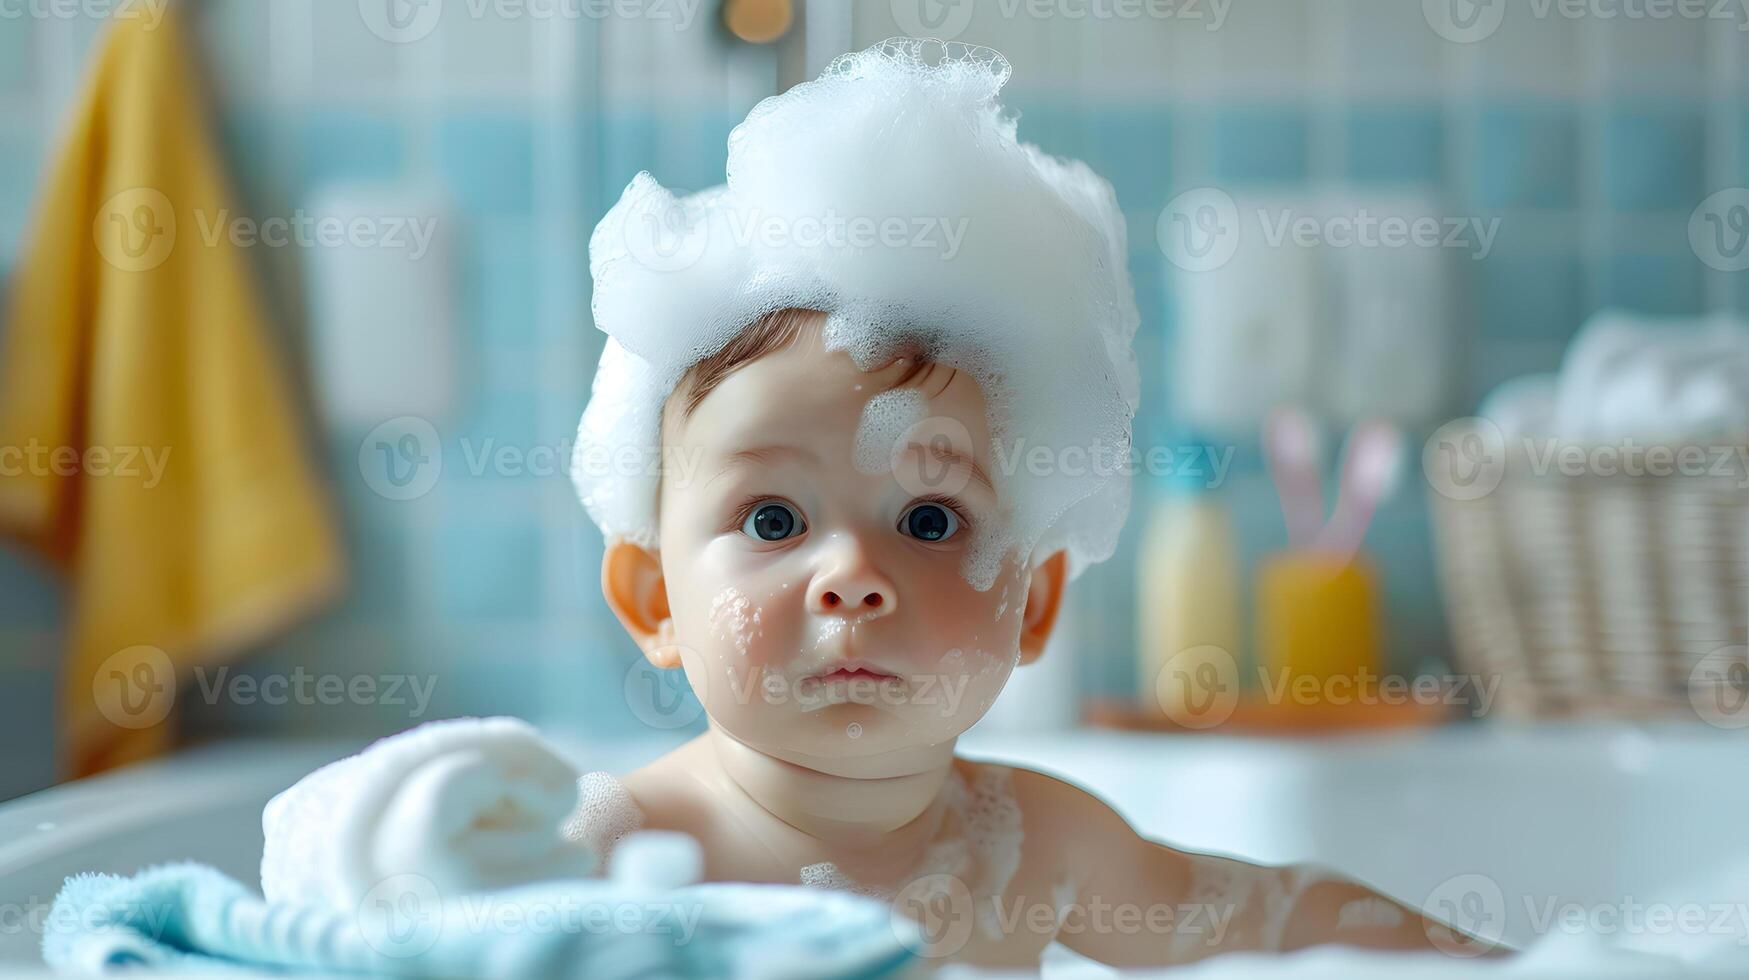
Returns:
(811, 388)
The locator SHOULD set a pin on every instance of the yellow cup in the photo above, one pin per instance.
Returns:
(1317, 619)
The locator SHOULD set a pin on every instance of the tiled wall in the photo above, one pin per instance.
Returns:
(1593, 140)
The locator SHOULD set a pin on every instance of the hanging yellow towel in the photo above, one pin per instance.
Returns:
(149, 444)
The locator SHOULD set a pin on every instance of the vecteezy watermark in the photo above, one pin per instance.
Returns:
(1207, 464)
(36, 917)
(144, 463)
(1466, 459)
(401, 459)
(1200, 687)
(404, 915)
(1364, 229)
(1477, 905)
(1466, 915)
(1718, 687)
(405, 233)
(948, 19)
(151, 12)
(135, 229)
(1198, 231)
(307, 689)
(136, 688)
(1201, 230)
(661, 699)
(669, 232)
(1718, 229)
(408, 21)
(1469, 21)
(934, 915)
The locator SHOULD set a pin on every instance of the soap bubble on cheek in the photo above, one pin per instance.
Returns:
(734, 618)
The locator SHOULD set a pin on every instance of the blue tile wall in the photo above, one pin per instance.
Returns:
(29, 597)
(486, 158)
(1530, 297)
(1261, 144)
(17, 56)
(1655, 283)
(628, 145)
(1525, 157)
(1395, 144)
(1129, 146)
(488, 567)
(345, 145)
(1652, 157)
(502, 286)
(21, 157)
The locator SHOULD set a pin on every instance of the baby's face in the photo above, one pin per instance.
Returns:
(814, 560)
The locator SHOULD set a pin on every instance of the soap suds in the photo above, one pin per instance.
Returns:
(1014, 271)
(886, 418)
(979, 844)
(735, 618)
(605, 815)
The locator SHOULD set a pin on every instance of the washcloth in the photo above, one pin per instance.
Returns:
(192, 919)
(472, 804)
(152, 442)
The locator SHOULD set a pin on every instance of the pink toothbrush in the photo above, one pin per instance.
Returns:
(1292, 448)
(1371, 467)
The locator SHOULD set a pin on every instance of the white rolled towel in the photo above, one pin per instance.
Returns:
(471, 804)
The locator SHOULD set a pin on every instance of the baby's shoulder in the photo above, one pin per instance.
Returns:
(1050, 804)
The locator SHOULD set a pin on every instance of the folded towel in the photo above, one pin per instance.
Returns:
(192, 919)
(471, 804)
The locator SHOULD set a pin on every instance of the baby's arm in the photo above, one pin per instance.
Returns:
(1182, 906)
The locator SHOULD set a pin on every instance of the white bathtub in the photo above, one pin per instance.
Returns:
(1594, 816)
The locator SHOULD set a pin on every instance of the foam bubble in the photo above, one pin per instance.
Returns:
(735, 617)
(885, 419)
(893, 194)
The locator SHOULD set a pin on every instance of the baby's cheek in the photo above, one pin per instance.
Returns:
(754, 626)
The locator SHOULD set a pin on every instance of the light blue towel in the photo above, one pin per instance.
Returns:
(191, 918)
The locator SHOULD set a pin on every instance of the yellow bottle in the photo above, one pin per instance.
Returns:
(1188, 605)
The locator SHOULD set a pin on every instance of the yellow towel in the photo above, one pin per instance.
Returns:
(149, 444)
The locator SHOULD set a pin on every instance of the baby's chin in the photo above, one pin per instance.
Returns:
(846, 730)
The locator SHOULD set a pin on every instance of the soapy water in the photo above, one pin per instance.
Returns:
(1031, 296)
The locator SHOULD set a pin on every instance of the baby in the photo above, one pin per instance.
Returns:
(847, 564)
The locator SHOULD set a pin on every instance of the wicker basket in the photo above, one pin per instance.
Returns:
(1594, 595)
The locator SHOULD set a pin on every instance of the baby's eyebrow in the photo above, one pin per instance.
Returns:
(954, 457)
(765, 454)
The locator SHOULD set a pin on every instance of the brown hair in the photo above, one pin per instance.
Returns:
(767, 334)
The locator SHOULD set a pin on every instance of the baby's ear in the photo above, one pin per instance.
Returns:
(632, 583)
(1044, 599)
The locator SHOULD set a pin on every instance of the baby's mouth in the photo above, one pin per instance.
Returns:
(856, 670)
(850, 682)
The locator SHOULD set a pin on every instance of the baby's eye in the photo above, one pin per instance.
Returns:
(773, 521)
(929, 522)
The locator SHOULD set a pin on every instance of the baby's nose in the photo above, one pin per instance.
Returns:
(853, 587)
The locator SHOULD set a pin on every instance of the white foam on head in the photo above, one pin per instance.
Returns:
(893, 194)
(885, 419)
